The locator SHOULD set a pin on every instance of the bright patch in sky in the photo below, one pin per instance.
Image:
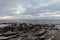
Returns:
(6, 17)
(19, 9)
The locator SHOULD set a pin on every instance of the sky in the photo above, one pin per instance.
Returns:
(29, 9)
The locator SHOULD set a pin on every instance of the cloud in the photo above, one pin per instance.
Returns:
(50, 14)
(6, 17)
(19, 9)
(29, 9)
(38, 16)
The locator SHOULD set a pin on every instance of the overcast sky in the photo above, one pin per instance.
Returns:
(29, 9)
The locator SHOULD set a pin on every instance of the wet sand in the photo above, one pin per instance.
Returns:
(57, 35)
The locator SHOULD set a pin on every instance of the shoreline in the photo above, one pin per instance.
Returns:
(31, 29)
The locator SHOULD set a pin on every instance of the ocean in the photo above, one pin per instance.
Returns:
(32, 21)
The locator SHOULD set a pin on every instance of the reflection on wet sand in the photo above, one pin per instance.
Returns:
(57, 35)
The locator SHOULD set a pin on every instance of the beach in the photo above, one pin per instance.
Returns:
(27, 31)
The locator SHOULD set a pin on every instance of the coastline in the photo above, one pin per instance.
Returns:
(29, 30)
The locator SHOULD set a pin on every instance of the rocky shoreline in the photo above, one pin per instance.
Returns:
(27, 31)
